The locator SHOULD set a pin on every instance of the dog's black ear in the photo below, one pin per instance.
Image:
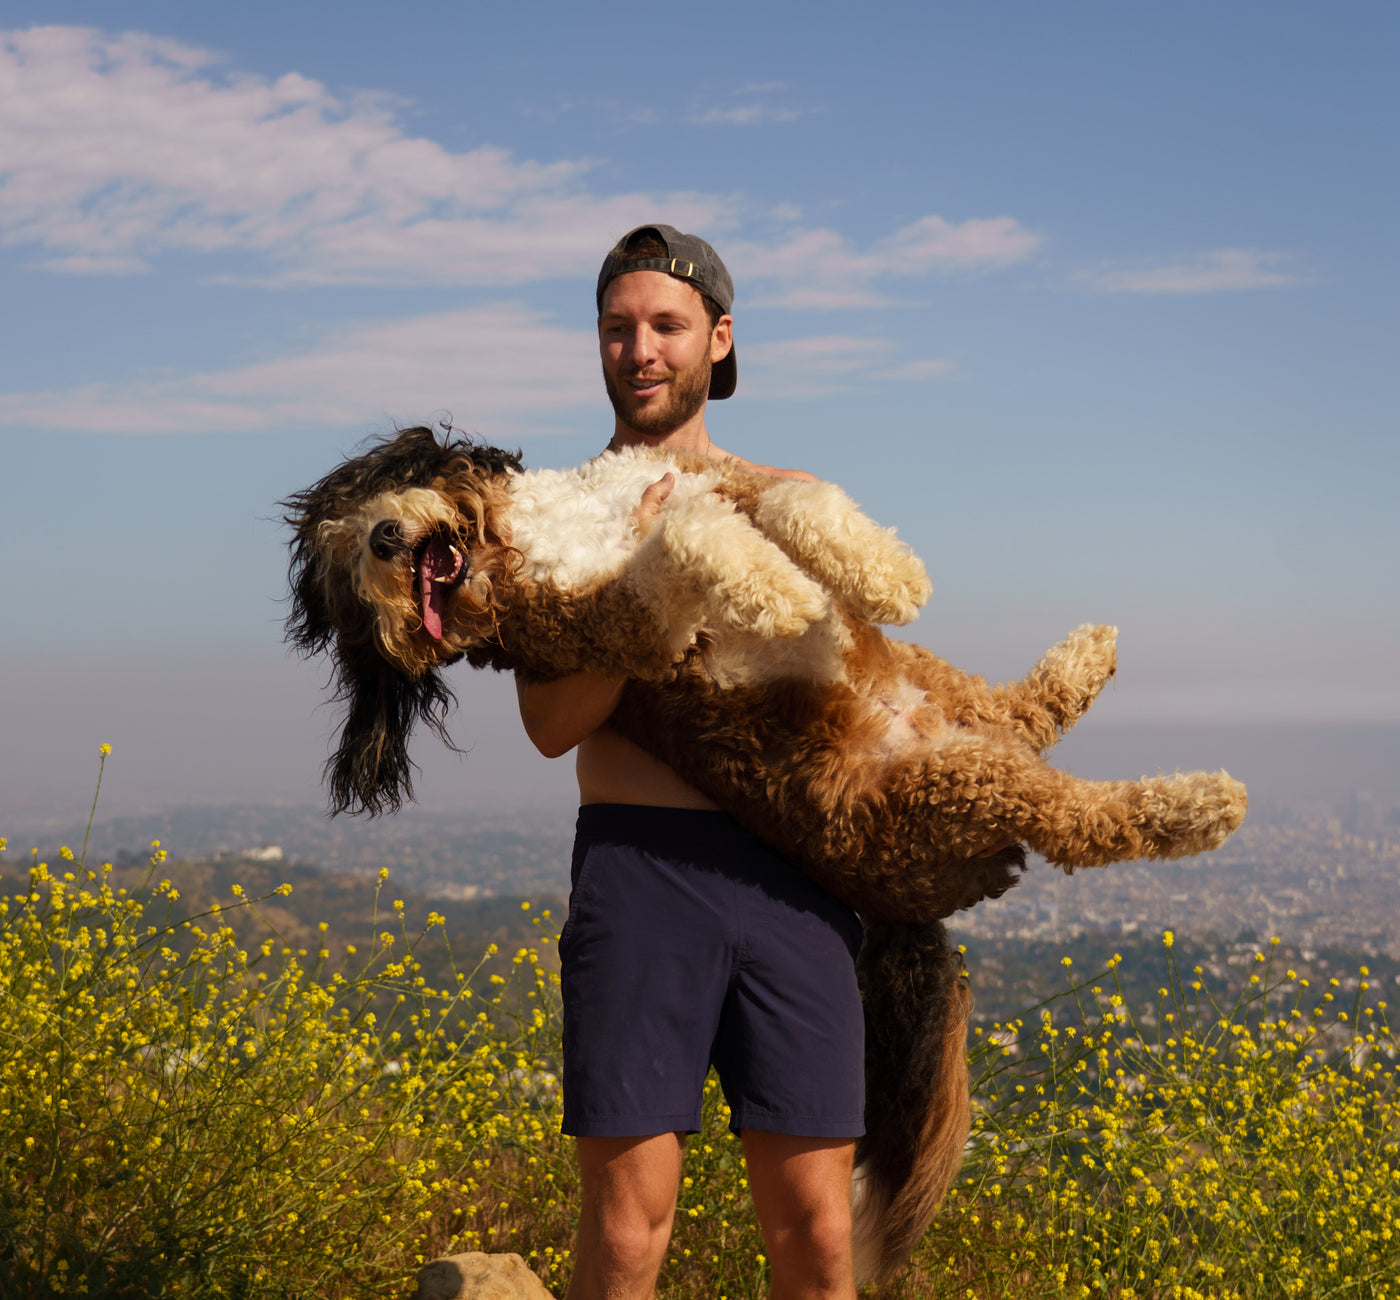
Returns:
(370, 770)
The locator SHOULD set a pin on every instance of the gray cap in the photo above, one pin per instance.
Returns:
(689, 258)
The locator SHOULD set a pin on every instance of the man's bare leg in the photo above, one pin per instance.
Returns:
(629, 1200)
(802, 1193)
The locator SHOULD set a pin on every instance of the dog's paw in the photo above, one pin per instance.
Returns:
(1086, 658)
(1191, 812)
(894, 592)
(1078, 668)
(776, 610)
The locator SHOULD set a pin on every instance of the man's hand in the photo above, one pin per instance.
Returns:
(644, 516)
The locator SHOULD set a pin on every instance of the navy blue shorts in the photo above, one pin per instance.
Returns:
(690, 942)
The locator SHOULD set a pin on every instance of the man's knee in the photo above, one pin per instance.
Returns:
(823, 1233)
(633, 1243)
(802, 1191)
(629, 1198)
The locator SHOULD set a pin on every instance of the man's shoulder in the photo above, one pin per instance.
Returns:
(798, 475)
(771, 471)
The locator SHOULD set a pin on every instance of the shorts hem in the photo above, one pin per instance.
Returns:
(629, 1125)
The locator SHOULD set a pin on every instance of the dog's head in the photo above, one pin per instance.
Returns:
(400, 564)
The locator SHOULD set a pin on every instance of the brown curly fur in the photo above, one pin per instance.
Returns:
(906, 833)
(918, 1113)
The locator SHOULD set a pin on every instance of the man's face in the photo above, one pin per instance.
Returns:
(657, 348)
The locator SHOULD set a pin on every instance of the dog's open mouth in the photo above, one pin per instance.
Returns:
(440, 567)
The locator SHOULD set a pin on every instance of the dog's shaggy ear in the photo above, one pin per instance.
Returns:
(370, 770)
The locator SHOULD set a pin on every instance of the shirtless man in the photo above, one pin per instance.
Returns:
(689, 942)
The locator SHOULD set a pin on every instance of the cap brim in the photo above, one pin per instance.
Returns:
(724, 374)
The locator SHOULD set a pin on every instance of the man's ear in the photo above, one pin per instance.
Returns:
(722, 339)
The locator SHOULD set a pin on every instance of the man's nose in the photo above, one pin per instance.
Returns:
(641, 347)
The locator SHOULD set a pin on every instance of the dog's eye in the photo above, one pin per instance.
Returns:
(385, 540)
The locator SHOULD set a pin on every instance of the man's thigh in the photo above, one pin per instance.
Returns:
(631, 1178)
(629, 1201)
(788, 1173)
(801, 1191)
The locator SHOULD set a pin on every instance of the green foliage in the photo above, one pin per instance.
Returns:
(186, 1112)
(1248, 1149)
(1244, 1149)
(181, 1116)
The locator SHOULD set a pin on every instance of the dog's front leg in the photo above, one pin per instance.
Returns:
(869, 569)
(704, 561)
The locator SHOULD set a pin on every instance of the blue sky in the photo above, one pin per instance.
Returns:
(1095, 302)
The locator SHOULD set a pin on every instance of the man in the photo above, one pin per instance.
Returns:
(688, 941)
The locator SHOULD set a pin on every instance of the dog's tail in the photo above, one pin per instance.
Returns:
(917, 1108)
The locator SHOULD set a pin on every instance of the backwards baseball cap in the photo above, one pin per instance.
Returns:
(688, 258)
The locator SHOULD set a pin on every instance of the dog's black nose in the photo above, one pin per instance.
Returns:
(385, 539)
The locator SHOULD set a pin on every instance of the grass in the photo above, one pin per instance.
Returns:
(187, 1114)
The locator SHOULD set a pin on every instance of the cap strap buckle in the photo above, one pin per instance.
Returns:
(686, 270)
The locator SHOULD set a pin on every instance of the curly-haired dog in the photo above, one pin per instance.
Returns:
(744, 618)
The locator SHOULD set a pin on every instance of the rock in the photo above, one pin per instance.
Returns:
(477, 1276)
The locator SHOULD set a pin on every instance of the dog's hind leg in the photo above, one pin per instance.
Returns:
(978, 788)
(1058, 691)
(1040, 707)
(819, 527)
(703, 550)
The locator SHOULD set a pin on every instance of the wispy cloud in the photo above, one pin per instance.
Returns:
(820, 269)
(114, 149)
(751, 105)
(744, 115)
(830, 363)
(917, 371)
(502, 369)
(117, 149)
(1223, 270)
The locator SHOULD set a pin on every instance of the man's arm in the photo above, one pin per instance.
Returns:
(559, 714)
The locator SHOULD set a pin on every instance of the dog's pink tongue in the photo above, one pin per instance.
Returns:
(439, 566)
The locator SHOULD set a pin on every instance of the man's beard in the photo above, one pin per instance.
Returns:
(684, 399)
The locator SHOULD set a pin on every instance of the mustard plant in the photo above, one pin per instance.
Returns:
(1228, 1149)
(184, 1116)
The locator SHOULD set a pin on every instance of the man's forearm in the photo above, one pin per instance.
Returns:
(559, 714)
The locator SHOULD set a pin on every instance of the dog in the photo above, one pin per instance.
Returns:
(745, 617)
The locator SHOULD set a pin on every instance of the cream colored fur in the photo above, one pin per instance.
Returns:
(704, 567)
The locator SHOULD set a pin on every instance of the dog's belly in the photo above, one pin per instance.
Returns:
(735, 659)
(911, 720)
(894, 724)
